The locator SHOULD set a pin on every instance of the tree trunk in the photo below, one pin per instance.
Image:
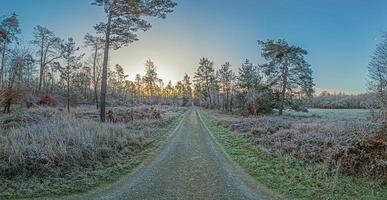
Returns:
(218, 100)
(41, 68)
(3, 63)
(68, 92)
(209, 96)
(95, 77)
(227, 101)
(284, 85)
(44, 85)
(385, 118)
(230, 108)
(104, 67)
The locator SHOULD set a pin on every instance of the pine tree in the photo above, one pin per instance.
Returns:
(287, 71)
(150, 81)
(124, 19)
(226, 78)
(138, 85)
(130, 90)
(249, 77)
(169, 93)
(187, 90)
(252, 96)
(71, 63)
(205, 80)
(120, 83)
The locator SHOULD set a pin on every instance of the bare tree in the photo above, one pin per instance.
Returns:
(49, 50)
(96, 43)
(9, 28)
(21, 59)
(377, 73)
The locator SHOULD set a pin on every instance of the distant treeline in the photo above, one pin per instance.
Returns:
(342, 101)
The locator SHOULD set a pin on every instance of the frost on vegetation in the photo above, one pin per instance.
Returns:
(346, 139)
(49, 142)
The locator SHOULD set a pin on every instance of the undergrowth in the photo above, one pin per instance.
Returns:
(65, 155)
(295, 179)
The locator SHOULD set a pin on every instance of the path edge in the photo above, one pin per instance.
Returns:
(91, 194)
(245, 176)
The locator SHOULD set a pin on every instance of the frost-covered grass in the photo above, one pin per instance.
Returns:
(291, 176)
(334, 114)
(50, 152)
(317, 135)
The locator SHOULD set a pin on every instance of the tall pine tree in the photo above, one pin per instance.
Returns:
(205, 80)
(124, 19)
(287, 72)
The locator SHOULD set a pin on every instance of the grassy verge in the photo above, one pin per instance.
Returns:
(292, 178)
(69, 155)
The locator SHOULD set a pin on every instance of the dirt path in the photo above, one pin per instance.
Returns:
(190, 166)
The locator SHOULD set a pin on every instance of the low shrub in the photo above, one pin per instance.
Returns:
(368, 158)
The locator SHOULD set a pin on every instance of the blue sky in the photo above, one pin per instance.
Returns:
(340, 35)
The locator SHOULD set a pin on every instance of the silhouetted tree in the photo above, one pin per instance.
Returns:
(169, 93)
(138, 85)
(124, 19)
(205, 79)
(130, 90)
(150, 81)
(120, 83)
(187, 90)
(82, 81)
(226, 78)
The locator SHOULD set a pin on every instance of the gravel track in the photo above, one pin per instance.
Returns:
(191, 165)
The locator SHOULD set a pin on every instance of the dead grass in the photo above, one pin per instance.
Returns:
(291, 177)
(62, 144)
(44, 145)
(345, 142)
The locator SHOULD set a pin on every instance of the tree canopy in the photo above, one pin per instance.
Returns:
(287, 72)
